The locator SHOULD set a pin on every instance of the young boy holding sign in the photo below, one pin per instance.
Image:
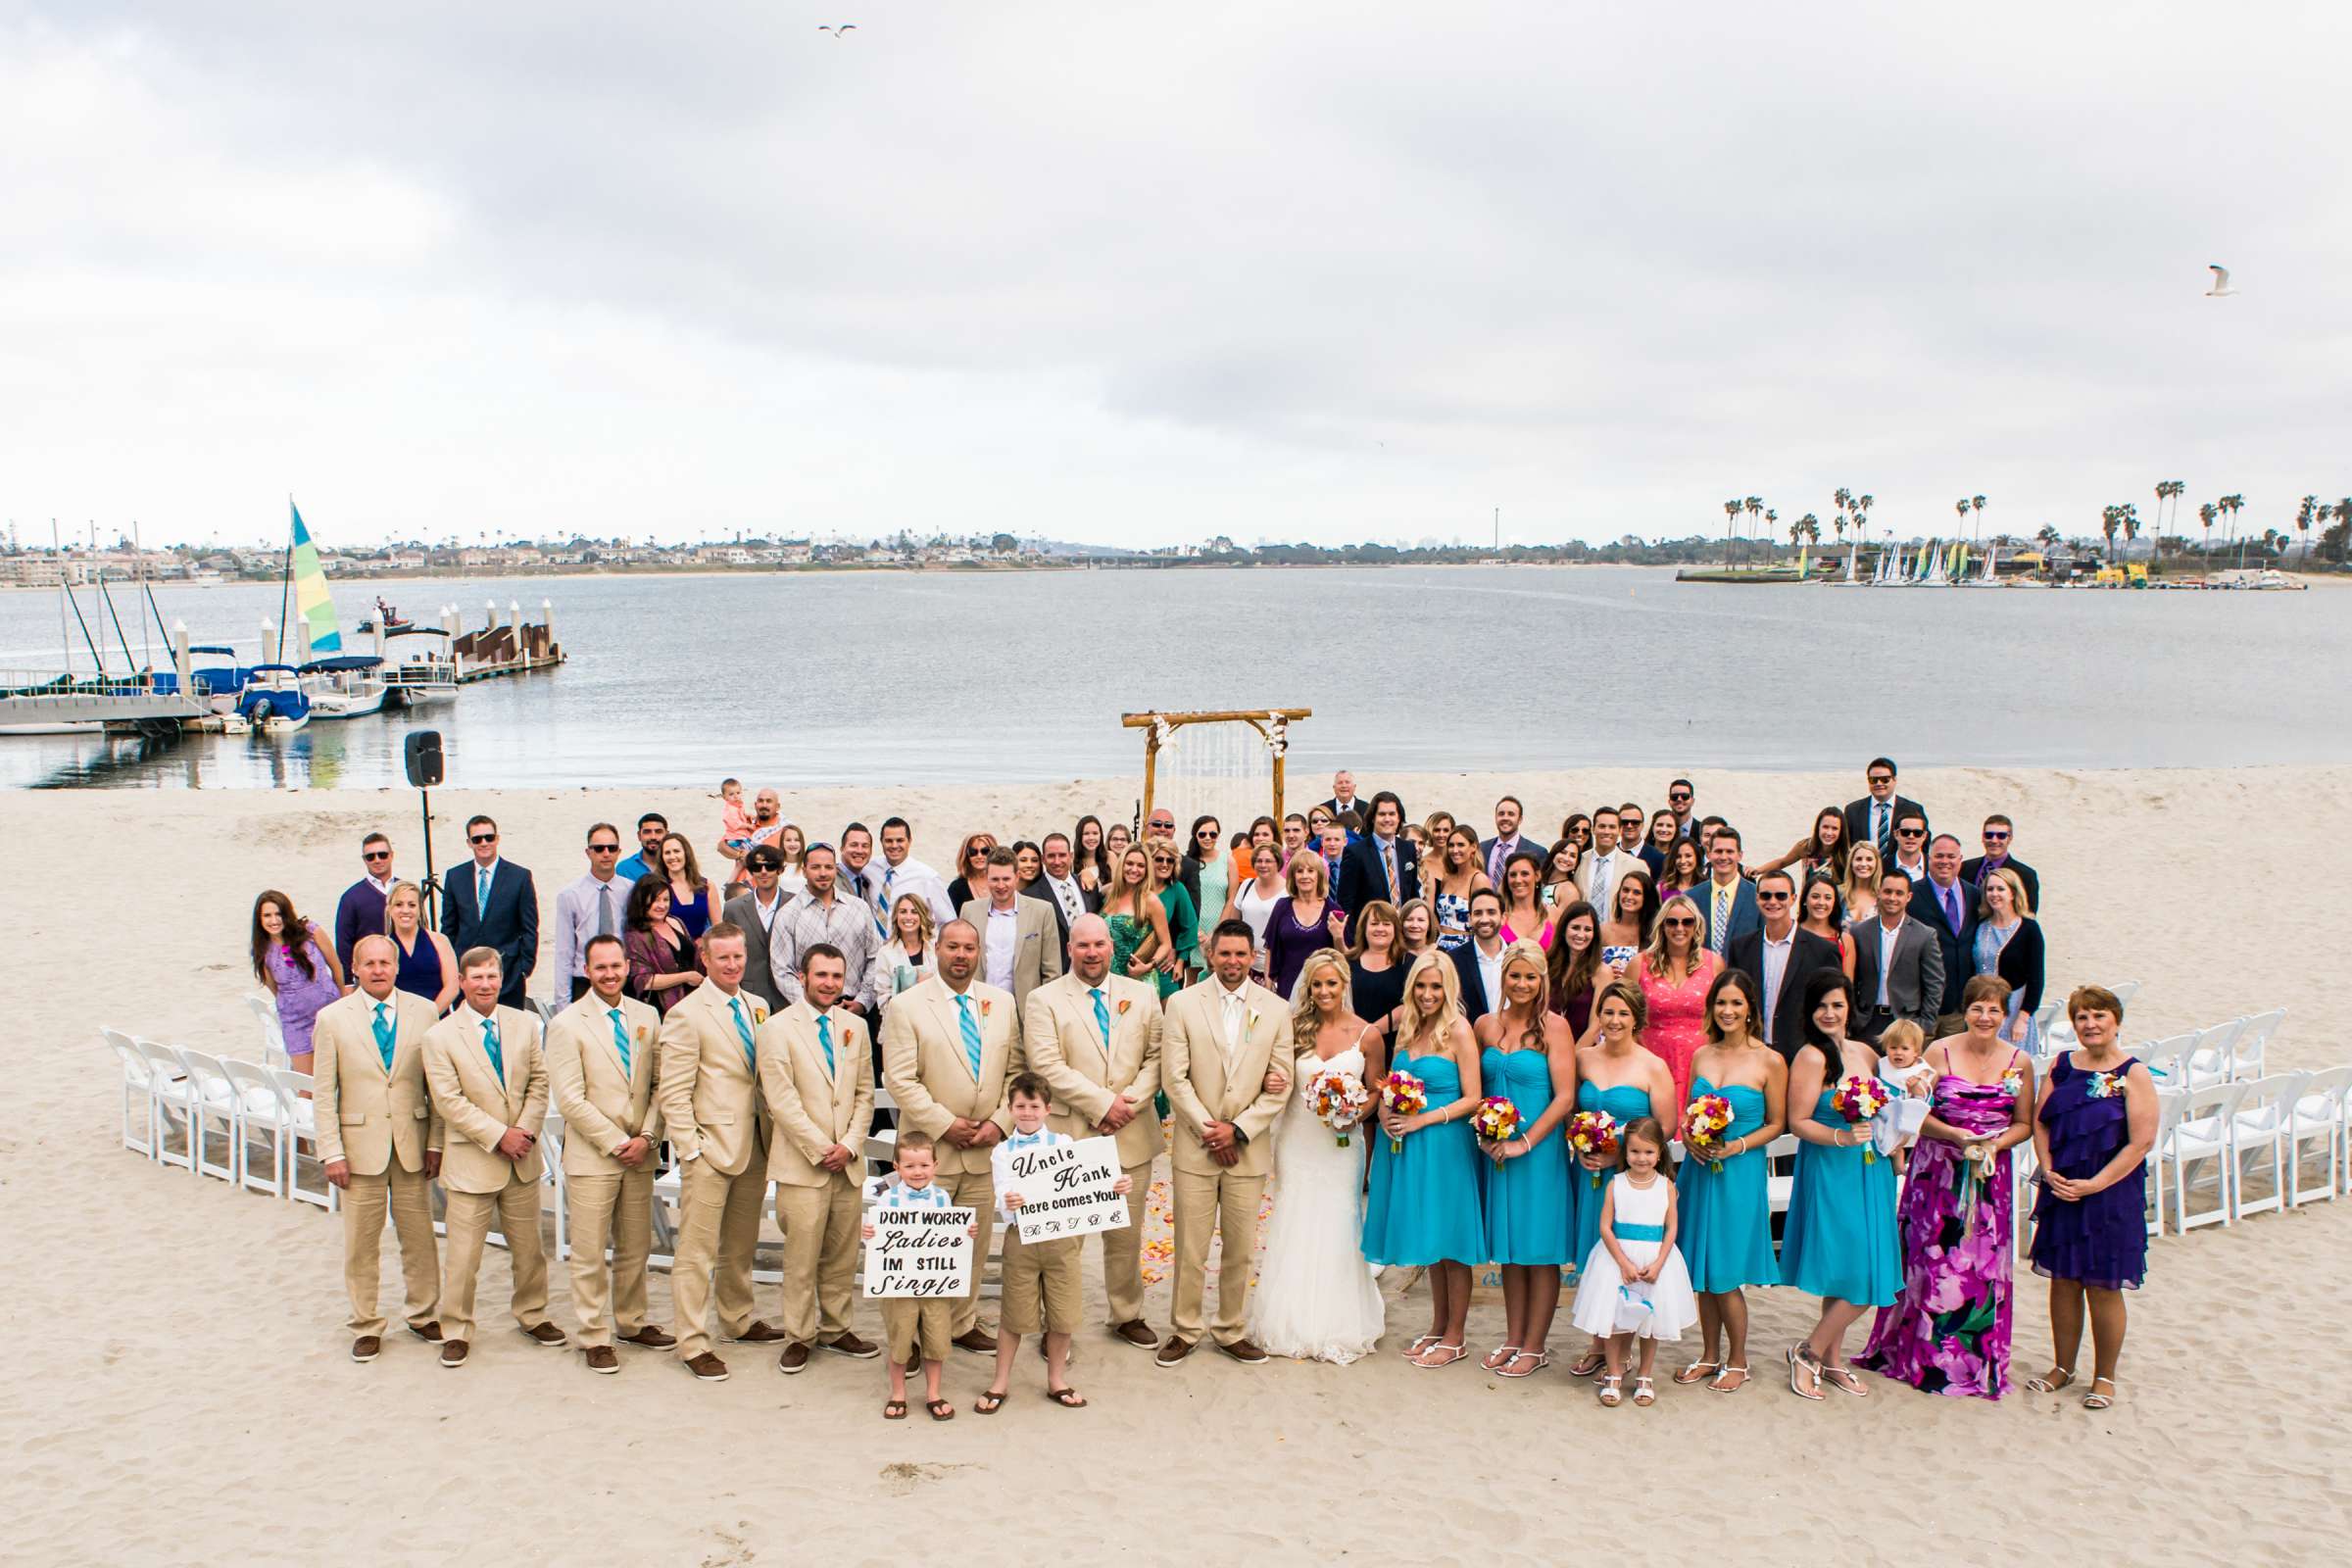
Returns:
(1041, 1281)
(908, 1321)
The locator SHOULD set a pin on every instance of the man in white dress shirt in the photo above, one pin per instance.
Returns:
(1597, 878)
(596, 906)
(1056, 885)
(903, 873)
(1020, 948)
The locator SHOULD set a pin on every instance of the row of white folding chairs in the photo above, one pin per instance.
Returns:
(2213, 1137)
(245, 1107)
(2236, 1049)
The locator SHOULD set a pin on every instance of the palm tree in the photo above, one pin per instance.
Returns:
(2130, 515)
(2048, 538)
(2342, 530)
(2234, 504)
(2110, 519)
(2309, 509)
(2205, 515)
(1731, 510)
(1976, 504)
(1961, 507)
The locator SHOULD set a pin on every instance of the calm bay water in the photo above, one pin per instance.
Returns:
(891, 676)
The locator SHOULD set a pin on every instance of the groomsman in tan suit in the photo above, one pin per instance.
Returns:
(816, 1078)
(709, 1090)
(949, 1044)
(1217, 1041)
(1094, 1038)
(1020, 943)
(600, 1054)
(379, 1140)
(489, 1083)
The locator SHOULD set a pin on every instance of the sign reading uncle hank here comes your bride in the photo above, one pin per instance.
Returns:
(1068, 1190)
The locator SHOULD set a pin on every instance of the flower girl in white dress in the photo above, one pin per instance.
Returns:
(1635, 1284)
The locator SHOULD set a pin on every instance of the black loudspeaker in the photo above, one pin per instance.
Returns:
(423, 751)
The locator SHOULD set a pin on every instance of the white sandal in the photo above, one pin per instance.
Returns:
(2095, 1401)
(1644, 1393)
(1610, 1396)
(2066, 1375)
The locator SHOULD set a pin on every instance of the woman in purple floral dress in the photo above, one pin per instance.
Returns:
(296, 963)
(1948, 1330)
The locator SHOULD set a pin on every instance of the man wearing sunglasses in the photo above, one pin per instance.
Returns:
(1680, 795)
(2001, 854)
(1872, 820)
(1781, 959)
(490, 902)
(1910, 852)
(361, 911)
(596, 906)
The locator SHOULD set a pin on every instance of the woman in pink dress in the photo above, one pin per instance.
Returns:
(1674, 974)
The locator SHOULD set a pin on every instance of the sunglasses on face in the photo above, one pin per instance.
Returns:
(482, 838)
(1679, 925)
(1882, 778)
(1679, 798)
(594, 849)
(1992, 837)
(375, 855)
(1772, 897)
(1910, 832)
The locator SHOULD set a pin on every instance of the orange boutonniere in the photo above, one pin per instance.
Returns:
(1124, 1003)
(759, 1013)
(984, 1005)
(644, 1034)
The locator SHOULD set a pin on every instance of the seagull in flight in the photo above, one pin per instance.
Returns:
(847, 27)
(2221, 281)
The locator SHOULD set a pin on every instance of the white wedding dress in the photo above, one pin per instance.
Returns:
(1315, 1299)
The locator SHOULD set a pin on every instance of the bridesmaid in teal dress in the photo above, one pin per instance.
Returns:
(1622, 1077)
(1839, 1242)
(1139, 924)
(1423, 1210)
(1528, 1057)
(1726, 1205)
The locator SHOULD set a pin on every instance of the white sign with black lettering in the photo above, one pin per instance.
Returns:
(1065, 1190)
(921, 1253)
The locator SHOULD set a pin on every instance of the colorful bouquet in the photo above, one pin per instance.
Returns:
(1859, 1100)
(1496, 1119)
(1592, 1132)
(1406, 1095)
(1338, 1100)
(1704, 1122)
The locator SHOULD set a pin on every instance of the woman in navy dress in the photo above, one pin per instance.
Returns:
(1528, 1057)
(2097, 1122)
(692, 904)
(1726, 1205)
(428, 966)
(1840, 1241)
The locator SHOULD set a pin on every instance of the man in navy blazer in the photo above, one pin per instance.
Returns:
(1480, 957)
(360, 914)
(1782, 960)
(1871, 819)
(1364, 868)
(1741, 916)
(1947, 906)
(490, 902)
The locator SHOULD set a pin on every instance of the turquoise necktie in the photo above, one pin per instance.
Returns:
(384, 1033)
(825, 1038)
(498, 1062)
(621, 1041)
(481, 893)
(1102, 1016)
(971, 1033)
(743, 1027)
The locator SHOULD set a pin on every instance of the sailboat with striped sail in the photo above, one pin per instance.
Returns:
(340, 685)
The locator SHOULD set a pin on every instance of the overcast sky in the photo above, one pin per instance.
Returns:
(1136, 275)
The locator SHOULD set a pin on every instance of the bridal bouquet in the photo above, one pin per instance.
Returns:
(1406, 1095)
(1338, 1100)
(1496, 1119)
(1704, 1122)
(1592, 1132)
(1859, 1100)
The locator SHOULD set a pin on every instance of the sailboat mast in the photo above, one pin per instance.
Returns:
(285, 586)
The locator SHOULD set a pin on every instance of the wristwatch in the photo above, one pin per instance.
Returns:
(1241, 1139)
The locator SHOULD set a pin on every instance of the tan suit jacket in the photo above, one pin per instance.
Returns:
(1063, 1044)
(811, 1108)
(1624, 861)
(603, 1104)
(1035, 945)
(924, 1061)
(1203, 1089)
(708, 1092)
(478, 1104)
(366, 1115)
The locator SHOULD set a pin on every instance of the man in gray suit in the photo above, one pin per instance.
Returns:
(1021, 945)
(1898, 965)
(756, 912)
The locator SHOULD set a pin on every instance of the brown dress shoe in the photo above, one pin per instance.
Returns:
(366, 1347)
(851, 1345)
(1173, 1351)
(708, 1368)
(794, 1359)
(652, 1338)
(758, 1333)
(544, 1333)
(453, 1353)
(429, 1333)
(602, 1358)
(1136, 1331)
(974, 1341)
(1243, 1351)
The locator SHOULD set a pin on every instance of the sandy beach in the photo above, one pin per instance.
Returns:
(177, 1386)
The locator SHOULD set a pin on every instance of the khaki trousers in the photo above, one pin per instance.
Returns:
(1123, 1251)
(821, 1246)
(407, 1195)
(974, 1190)
(1203, 1205)
(615, 1207)
(718, 1223)
(516, 1206)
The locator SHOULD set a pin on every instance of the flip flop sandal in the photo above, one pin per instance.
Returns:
(1420, 1345)
(989, 1403)
(1540, 1359)
(1699, 1372)
(1843, 1379)
(1501, 1357)
(894, 1410)
(1803, 1364)
(1067, 1398)
(1585, 1365)
(2095, 1401)
(1610, 1396)
(2045, 1385)
(1716, 1386)
(941, 1410)
(1644, 1393)
(1458, 1355)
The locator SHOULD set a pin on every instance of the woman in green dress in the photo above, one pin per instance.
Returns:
(1138, 921)
(1184, 921)
(1209, 874)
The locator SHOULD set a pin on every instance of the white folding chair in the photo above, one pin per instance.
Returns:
(2167, 1060)
(138, 1093)
(2263, 1126)
(175, 1098)
(881, 1150)
(2254, 1042)
(305, 1112)
(2125, 991)
(551, 1174)
(265, 1117)
(2204, 1133)
(216, 1101)
(1779, 1153)
(668, 1198)
(273, 1034)
(2170, 1106)
(2320, 1113)
(2213, 1057)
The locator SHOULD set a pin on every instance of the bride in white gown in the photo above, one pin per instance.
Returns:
(1315, 1299)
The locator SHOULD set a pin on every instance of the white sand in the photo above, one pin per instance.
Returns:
(175, 1385)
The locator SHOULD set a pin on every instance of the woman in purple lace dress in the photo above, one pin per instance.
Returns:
(1948, 1330)
(298, 968)
(2091, 1237)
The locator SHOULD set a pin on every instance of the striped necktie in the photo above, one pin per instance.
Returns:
(743, 1029)
(385, 1033)
(1102, 1016)
(971, 1033)
(1719, 929)
(498, 1060)
(824, 1040)
(621, 1041)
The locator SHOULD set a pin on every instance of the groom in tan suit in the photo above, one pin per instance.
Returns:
(1215, 1047)
(1094, 1038)
(489, 1083)
(600, 1064)
(378, 1140)
(816, 1077)
(949, 1044)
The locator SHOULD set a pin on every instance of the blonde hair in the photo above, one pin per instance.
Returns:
(1528, 953)
(1414, 1023)
(1900, 1034)
(1655, 956)
(1313, 863)
(1304, 1021)
(925, 922)
(394, 892)
(1853, 878)
(2019, 904)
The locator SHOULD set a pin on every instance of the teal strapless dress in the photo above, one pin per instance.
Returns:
(1527, 1198)
(1423, 1208)
(1726, 1212)
(1840, 1238)
(1629, 1105)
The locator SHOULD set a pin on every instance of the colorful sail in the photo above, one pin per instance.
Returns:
(311, 599)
